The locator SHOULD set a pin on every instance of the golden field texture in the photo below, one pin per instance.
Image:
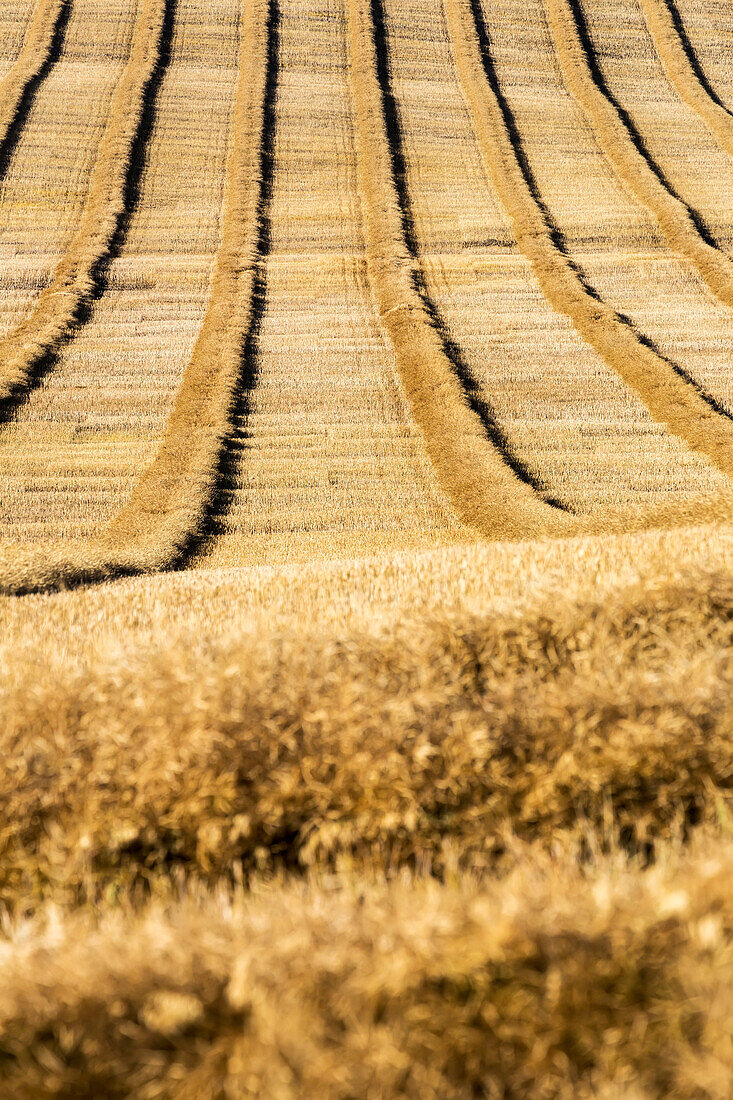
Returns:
(366, 608)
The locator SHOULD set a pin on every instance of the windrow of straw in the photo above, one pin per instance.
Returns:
(481, 486)
(483, 489)
(630, 163)
(434, 742)
(670, 398)
(74, 280)
(34, 55)
(169, 502)
(666, 30)
(613, 984)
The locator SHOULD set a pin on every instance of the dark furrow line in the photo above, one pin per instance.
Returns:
(684, 70)
(168, 508)
(233, 456)
(137, 162)
(31, 349)
(472, 388)
(671, 396)
(18, 88)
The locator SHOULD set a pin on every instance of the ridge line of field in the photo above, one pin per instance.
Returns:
(483, 488)
(684, 71)
(27, 349)
(167, 506)
(671, 398)
(41, 43)
(625, 151)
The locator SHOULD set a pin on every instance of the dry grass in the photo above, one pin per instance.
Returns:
(34, 53)
(74, 279)
(660, 17)
(631, 163)
(356, 802)
(295, 751)
(440, 744)
(553, 983)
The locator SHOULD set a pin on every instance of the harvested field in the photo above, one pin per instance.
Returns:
(366, 607)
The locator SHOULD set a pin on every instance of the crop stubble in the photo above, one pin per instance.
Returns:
(84, 436)
(428, 710)
(324, 459)
(558, 401)
(15, 21)
(467, 482)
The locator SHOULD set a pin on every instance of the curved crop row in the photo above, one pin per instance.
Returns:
(484, 490)
(671, 400)
(167, 506)
(482, 487)
(664, 26)
(73, 281)
(35, 53)
(630, 163)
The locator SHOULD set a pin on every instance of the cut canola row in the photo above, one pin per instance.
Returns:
(484, 489)
(687, 151)
(392, 466)
(46, 181)
(74, 280)
(565, 415)
(708, 31)
(26, 45)
(475, 482)
(324, 460)
(683, 70)
(168, 502)
(253, 525)
(617, 137)
(675, 311)
(84, 436)
(556, 398)
(579, 292)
